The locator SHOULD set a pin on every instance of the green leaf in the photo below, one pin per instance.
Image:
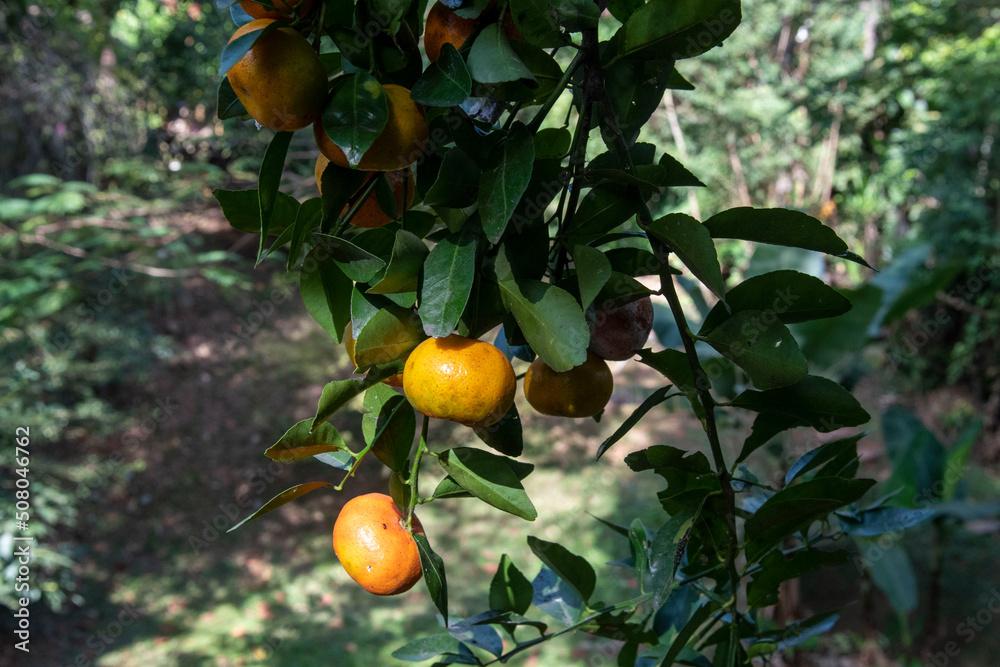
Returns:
(356, 114)
(651, 401)
(779, 226)
(569, 567)
(326, 292)
(506, 435)
(299, 442)
(457, 182)
(449, 273)
(605, 207)
(533, 19)
(492, 60)
(357, 264)
(441, 644)
(449, 488)
(234, 51)
(776, 567)
(552, 142)
(892, 572)
(510, 590)
(501, 187)
(883, 520)
(401, 275)
(269, 181)
(639, 541)
(823, 454)
(489, 478)
(286, 496)
(390, 334)
(434, 575)
(698, 617)
(445, 83)
(336, 394)
(794, 508)
(227, 104)
(666, 552)
(789, 296)
(310, 215)
(340, 184)
(556, 597)
(691, 242)
(592, 272)
(816, 401)
(679, 28)
(676, 174)
(389, 425)
(761, 346)
(917, 456)
(551, 320)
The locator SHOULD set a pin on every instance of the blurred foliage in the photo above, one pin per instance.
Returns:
(77, 340)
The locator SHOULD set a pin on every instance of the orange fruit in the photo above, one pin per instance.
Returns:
(401, 143)
(371, 214)
(444, 26)
(617, 333)
(373, 545)
(349, 342)
(579, 392)
(280, 80)
(282, 9)
(460, 379)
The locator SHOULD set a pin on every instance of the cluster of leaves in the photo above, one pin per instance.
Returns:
(514, 227)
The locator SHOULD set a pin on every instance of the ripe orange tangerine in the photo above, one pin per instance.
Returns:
(282, 9)
(460, 379)
(280, 80)
(582, 391)
(401, 143)
(444, 26)
(373, 545)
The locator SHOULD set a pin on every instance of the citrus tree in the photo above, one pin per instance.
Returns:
(465, 194)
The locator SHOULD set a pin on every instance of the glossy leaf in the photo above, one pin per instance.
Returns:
(446, 82)
(692, 243)
(403, 270)
(234, 51)
(336, 394)
(426, 648)
(502, 186)
(510, 590)
(357, 264)
(489, 478)
(227, 104)
(356, 114)
(816, 401)
(449, 488)
(457, 181)
(881, 520)
(762, 347)
(698, 617)
(299, 442)
(340, 185)
(680, 28)
(823, 454)
(556, 597)
(666, 552)
(605, 207)
(776, 567)
(788, 296)
(650, 402)
(551, 319)
(572, 569)
(326, 292)
(492, 60)
(795, 507)
(534, 20)
(286, 496)
(434, 575)
(592, 272)
(309, 217)
(389, 425)
(506, 435)
(269, 181)
(779, 226)
(675, 174)
(449, 273)
(390, 334)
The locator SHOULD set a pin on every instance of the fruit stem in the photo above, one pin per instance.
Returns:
(536, 121)
(415, 472)
(621, 148)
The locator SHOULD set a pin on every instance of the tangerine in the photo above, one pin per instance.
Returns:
(444, 26)
(377, 551)
(616, 334)
(401, 142)
(370, 214)
(280, 80)
(581, 391)
(460, 379)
